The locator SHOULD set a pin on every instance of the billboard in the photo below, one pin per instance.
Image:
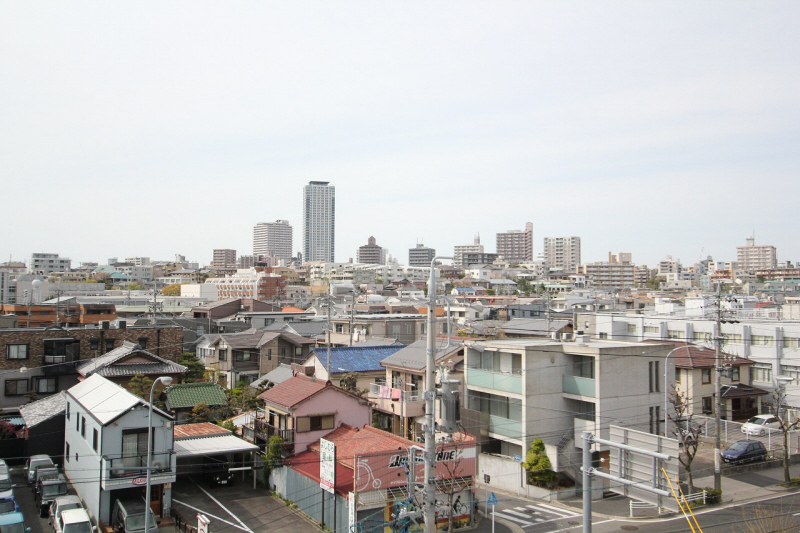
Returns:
(327, 465)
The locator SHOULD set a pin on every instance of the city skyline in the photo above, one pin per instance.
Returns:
(652, 128)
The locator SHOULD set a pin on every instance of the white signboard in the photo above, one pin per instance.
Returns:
(202, 523)
(351, 511)
(327, 465)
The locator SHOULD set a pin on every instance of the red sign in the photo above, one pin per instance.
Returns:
(139, 481)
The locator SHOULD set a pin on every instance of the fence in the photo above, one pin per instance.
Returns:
(636, 506)
(732, 431)
(180, 522)
(645, 506)
(696, 497)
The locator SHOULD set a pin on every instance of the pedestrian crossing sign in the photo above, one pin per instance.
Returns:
(492, 500)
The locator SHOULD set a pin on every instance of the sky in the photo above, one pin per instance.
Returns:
(157, 128)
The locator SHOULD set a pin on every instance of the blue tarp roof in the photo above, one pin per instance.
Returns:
(356, 358)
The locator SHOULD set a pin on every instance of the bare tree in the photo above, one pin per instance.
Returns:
(767, 518)
(454, 482)
(686, 430)
(778, 400)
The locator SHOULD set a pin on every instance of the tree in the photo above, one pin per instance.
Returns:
(778, 400)
(196, 367)
(540, 472)
(686, 431)
(454, 482)
(172, 290)
(273, 456)
(140, 385)
(133, 286)
(201, 413)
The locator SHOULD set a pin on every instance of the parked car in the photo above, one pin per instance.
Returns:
(33, 462)
(74, 521)
(127, 516)
(8, 503)
(760, 424)
(13, 523)
(3, 467)
(43, 471)
(744, 451)
(217, 470)
(48, 488)
(5, 481)
(63, 503)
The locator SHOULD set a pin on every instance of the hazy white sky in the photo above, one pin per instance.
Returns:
(155, 128)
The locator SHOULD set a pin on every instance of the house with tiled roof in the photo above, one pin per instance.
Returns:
(121, 364)
(372, 465)
(694, 379)
(183, 398)
(362, 361)
(302, 409)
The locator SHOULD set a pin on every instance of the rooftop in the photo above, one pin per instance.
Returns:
(188, 395)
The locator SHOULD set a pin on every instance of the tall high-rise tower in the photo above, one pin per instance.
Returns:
(273, 238)
(319, 215)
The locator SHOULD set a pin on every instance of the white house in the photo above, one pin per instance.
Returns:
(105, 447)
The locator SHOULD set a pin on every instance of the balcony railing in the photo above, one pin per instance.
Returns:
(500, 381)
(264, 430)
(377, 391)
(505, 426)
(136, 465)
(58, 364)
(579, 386)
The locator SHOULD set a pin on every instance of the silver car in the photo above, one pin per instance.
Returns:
(32, 463)
(61, 504)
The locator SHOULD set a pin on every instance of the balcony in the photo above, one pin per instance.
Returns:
(499, 381)
(578, 386)
(131, 466)
(59, 364)
(264, 431)
(505, 427)
(399, 402)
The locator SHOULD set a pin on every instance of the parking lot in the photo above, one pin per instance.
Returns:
(235, 509)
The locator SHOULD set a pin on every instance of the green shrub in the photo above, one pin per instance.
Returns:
(713, 495)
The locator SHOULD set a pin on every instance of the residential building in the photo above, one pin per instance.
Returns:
(361, 362)
(48, 356)
(183, 398)
(246, 261)
(302, 409)
(44, 426)
(519, 390)
(121, 364)
(273, 238)
(751, 257)
(44, 264)
(421, 256)
(138, 261)
(319, 221)
(516, 246)
(224, 259)
(469, 259)
(105, 447)
(459, 251)
(403, 327)
(371, 253)
(562, 252)
(248, 284)
(615, 275)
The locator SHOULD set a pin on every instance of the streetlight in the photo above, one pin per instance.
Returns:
(166, 380)
(666, 388)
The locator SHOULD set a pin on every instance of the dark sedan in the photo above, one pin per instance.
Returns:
(744, 451)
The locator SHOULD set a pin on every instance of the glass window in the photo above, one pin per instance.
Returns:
(761, 340)
(677, 375)
(761, 373)
(791, 342)
(95, 439)
(675, 334)
(16, 387)
(109, 344)
(223, 354)
(652, 329)
(17, 351)
(735, 373)
(706, 375)
(46, 385)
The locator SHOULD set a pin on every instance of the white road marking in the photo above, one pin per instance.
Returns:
(244, 526)
(554, 510)
(523, 515)
(208, 514)
(512, 518)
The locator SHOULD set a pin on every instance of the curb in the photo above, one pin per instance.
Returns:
(510, 525)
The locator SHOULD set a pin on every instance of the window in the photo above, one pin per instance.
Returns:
(143, 342)
(791, 342)
(66, 455)
(655, 419)
(67, 410)
(241, 355)
(735, 373)
(94, 344)
(602, 335)
(654, 376)
(223, 354)
(631, 328)
(707, 405)
(761, 373)
(706, 372)
(701, 336)
(16, 387)
(583, 367)
(791, 371)
(652, 329)
(17, 351)
(95, 439)
(761, 340)
(677, 375)
(83, 427)
(269, 354)
(61, 350)
(314, 423)
(46, 385)
(109, 344)
(675, 334)
(732, 338)
(134, 443)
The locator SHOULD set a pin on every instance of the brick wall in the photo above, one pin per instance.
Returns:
(163, 341)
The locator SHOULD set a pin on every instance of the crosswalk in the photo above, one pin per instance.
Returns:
(531, 515)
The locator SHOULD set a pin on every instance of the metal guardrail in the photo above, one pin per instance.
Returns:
(697, 496)
(634, 506)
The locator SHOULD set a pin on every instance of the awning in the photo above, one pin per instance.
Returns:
(212, 445)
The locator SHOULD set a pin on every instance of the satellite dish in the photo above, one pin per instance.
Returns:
(36, 283)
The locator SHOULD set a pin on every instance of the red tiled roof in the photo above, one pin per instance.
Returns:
(293, 391)
(307, 463)
(291, 310)
(203, 428)
(700, 357)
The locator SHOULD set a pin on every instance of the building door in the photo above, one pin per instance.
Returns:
(156, 498)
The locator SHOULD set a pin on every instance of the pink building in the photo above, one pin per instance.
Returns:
(302, 409)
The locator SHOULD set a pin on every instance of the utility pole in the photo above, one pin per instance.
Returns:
(328, 363)
(717, 390)
(429, 494)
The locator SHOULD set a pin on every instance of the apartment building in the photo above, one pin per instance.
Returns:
(421, 256)
(319, 221)
(371, 253)
(248, 284)
(751, 257)
(224, 259)
(614, 275)
(518, 390)
(44, 263)
(273, 238)
(562, 252)
(460, 250)
(516, 246)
